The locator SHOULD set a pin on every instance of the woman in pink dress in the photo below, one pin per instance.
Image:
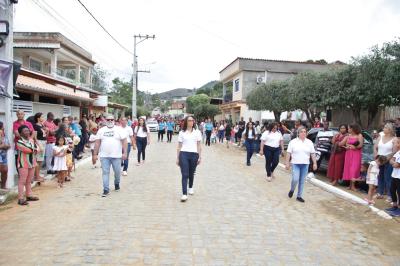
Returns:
(336, 161)
(352, 163)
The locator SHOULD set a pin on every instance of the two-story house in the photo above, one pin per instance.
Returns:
(55, 75)
(244, 74)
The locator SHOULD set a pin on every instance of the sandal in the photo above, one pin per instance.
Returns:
(32, 198)
(22, 202)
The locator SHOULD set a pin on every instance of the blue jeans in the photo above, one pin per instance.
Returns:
(106, 162)
(141, 144)
(250, 149)
(299, 173)
(188, 163)
(125, 163)
(385, 179)
(271, 158)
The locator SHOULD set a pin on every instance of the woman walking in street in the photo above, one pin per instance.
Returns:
(161, 130)
(384, 146)
(271, 146)
(209, 128)
(221, 132)
(228, 132)
(298, 156)
(249, 135)
(352, 161)
(142, 136)
(170, 129)
(26, 163)
(336, 161)
(188, 154)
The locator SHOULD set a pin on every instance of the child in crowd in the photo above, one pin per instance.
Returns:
(395, 186)
(60, 160)
(69, 158)
(214, 135)
(372, 177)
(92, 142)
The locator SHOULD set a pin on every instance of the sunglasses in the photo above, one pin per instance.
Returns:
(109, 119)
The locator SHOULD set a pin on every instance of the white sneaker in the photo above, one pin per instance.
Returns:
(184, 198)
(93, 166)
(124, 173)
(191, 191)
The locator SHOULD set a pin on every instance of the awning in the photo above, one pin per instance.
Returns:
(41, 86)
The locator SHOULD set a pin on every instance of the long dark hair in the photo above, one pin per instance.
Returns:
(60, 137)
(246, 133)
(356, 128)
(185, 121)
(144, 127)
(37, 116)
(61, 131)
(272, 125)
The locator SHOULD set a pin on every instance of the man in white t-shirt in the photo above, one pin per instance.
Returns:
(111, 146)
(131, 143)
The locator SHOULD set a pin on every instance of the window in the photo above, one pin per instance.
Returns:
(83, 75)
(35, 65)
(70, 73)
(237, 85)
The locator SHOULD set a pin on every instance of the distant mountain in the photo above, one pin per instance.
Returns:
(208, 85)
(169, 95)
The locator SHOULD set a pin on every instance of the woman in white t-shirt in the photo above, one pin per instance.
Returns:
(384, 146)
(271, 146)
(298, 155)
(249, 136)
(142, 137)
(188, 154)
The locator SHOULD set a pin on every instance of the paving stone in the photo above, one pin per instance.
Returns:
(235, 218)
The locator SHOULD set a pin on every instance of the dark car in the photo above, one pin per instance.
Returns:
(367, 149)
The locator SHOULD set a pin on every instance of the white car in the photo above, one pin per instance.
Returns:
(153, 125)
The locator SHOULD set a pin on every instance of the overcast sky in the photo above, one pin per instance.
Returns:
(197, 39)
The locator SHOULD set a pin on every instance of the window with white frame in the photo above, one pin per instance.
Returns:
(35, 65)
(236, 85)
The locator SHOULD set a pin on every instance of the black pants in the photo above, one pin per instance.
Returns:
(188, 163)
(141, 144)
(271, 158)
(250, 149)
(161, 135)
(395, 190)
(208, 137)
(169, 135)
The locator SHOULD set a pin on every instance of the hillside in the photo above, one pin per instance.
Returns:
(168, 95)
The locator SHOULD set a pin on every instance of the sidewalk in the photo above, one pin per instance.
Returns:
(339, 190)
(8, 195)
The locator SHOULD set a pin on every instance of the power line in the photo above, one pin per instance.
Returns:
(112, 37)
(72, 30)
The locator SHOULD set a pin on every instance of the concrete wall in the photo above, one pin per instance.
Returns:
(238, 95)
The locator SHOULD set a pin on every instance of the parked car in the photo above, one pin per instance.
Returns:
(153, 125)
(367, 149)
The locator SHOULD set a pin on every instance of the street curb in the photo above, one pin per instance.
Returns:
(3, 198)
(343, 194)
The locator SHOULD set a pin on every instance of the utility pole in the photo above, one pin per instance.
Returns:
(6, 54)
(140, 38)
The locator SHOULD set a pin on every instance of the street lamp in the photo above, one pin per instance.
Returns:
(141, 38)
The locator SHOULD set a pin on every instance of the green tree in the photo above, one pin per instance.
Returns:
(274, 97)
(306, 94)
(99, 79)
(121, 91)
(205, 110)
(193, 101)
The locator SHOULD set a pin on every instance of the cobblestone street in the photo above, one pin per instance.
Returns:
(234, 218)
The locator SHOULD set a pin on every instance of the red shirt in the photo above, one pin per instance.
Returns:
(52, 128)
(17, 124)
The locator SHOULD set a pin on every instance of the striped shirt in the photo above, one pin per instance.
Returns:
(26, 153)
